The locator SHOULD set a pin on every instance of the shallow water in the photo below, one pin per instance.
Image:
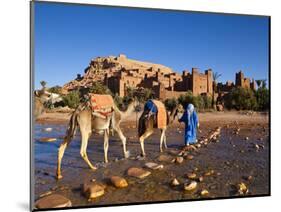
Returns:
(232, 159)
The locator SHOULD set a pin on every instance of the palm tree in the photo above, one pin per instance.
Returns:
(43, 84)
(259, 82)
(263, 83)
(216, 75)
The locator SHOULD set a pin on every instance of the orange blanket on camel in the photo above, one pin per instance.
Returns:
(102, 103)
(161, 114)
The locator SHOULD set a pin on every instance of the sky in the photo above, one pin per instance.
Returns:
(67, 37)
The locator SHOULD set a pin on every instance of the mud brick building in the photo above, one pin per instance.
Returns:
(119, 73)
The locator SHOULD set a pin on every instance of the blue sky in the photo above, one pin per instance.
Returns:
(68, 36)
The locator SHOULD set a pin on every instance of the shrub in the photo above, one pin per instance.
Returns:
(171, 103)
(99, 88)
(71, 99)
(241, 99)
(55, 89)
(262, 96)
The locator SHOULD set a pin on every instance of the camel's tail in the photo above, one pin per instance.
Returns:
(72, 126)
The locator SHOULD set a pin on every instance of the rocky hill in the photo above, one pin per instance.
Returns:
(110, 66)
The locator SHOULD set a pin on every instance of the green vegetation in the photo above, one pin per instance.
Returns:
(99, 88)
(241, 99)
(72, 99)
(262, 96)
(56, 89)
(170, 104)
(201, 102)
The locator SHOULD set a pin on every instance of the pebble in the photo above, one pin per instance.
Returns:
(118, 182)
(47, 139)
(242, 188)
(53, 201)
(209, 173)
(179, 160)
(138, 172)
(93, 190)
(175, 182)
(204, 192)
(191, 176)
(48, 129)
(46, 194)
(189, 157)
(154, 166)
(246, 138)
(190, 186)
(200, 179)
(165, 158)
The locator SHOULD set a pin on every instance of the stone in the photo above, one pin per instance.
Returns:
(45, 139)
(175, 182)
(138, 172)
(179, 160)
(53, 201)
(198, 145)
(200, 179)
(48, 129)
(165, 158)
(242, 188)
(208, 173)
(189, 157)
(204, 192)
(191, 176)
(118, 182)
(93, 190)
(46, 194)
(190, 186)
(154, 166)
(246, 138)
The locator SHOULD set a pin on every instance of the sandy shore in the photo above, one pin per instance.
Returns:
(234, 158)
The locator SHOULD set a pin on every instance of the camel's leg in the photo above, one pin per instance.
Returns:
(105, 144)
(165, 141)
(85, 134)
(61, 151)
(123, 139)
(144, 136)
(162, 139)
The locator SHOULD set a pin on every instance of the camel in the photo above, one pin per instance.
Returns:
(87, 122)
(147, 125)
(40, 97)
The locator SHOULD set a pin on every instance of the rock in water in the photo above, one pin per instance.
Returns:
(179, 159)
(93, 190)
(242, 188)
(204, 192)
(53, 201)
(175, 182)
(138, 172)
(154, 166)
(191, 176)
(48, 129)
(165, 158)
(47, 139)
(191, 186)
(189, 157)
(118, 182)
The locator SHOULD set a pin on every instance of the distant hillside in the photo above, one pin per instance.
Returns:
(112, 65)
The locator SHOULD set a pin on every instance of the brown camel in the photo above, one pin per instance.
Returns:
(40, 97)
(87, 122)
(147, 124)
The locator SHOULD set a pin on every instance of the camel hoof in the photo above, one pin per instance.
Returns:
(94, 168)
(59, 176)
(127, 154)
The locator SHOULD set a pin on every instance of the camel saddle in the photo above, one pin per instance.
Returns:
(161, 114)
(101, 105)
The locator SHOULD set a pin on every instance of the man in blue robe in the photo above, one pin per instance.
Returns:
(190, 119)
